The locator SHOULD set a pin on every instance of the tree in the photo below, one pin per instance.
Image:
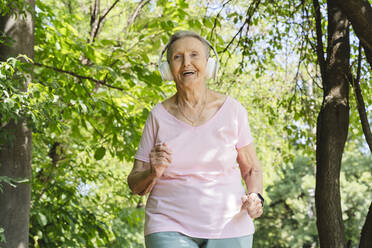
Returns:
(15, 135)
(95, 79)
(359, 14)
(333, 119)
(332, 126)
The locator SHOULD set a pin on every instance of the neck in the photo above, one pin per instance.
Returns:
(191, 96)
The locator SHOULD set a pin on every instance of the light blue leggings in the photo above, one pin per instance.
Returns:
(179, 240)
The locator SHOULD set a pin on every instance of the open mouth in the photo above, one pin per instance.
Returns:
(188, 73)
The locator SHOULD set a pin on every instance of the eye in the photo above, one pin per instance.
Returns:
(177, 56)
(194, 54)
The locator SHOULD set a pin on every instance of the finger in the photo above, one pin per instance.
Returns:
(256, 199)
(162, 148)
(166, 159)
(165, 156)
(164, 153)
(161, 161)
(245, 201)
(157, 146)
(260, 212)
(169, 159)
(250, 200)
(257, 204)
(257, 214)
(252, 206)
(244, 198)
(253, 196)
(251, 210)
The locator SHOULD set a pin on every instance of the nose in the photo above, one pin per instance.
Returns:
(186, 61)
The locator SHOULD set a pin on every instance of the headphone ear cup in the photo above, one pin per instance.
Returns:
(211, 70)
(165, 71)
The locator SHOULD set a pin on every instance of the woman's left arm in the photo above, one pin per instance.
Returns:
(250, 168)
(251, 171)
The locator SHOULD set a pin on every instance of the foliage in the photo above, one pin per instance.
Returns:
(2, 237)
(8, 7)
(13, 98)
(291, 203)
(89, 98)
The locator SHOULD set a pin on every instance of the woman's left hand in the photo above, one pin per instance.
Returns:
(253, 205)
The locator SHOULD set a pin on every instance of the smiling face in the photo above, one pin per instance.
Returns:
(188, 60)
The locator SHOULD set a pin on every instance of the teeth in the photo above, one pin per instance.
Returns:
(188, 72)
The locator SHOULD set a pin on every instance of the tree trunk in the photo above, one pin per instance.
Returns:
(332, 129)
(359, 13)
(366, 238)
(15, 156)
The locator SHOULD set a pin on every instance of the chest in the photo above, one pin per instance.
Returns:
(206, 148)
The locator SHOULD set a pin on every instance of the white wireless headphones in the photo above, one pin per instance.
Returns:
(211, 70)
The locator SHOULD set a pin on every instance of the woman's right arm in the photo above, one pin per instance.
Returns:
(143, 176)
(141, 179)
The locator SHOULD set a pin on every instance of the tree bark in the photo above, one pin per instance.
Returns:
(360, 102)
(332, 129)
(359, 12)
(15, 156)
(366, 238)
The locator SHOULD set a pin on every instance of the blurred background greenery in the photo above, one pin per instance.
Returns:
(97, 79)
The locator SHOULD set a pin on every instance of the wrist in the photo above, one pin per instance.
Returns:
(259, 197)
(152, 174)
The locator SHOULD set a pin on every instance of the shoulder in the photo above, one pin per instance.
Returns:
(155, 112)
(216, 99)
(169, 104)
(239, 106)
(233, 104)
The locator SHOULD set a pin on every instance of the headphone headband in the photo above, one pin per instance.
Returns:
(206, 41)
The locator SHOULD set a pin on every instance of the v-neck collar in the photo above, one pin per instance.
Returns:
(201, 125)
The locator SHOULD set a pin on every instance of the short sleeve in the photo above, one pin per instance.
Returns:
(244, 131)
(147, 139)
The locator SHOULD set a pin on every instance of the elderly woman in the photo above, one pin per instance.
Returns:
(195, 148)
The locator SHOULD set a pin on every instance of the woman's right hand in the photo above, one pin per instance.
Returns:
(160, 159)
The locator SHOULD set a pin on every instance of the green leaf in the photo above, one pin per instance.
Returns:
(100, 153)
(42, 219)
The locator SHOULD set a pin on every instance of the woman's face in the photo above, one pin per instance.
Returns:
(188, 60)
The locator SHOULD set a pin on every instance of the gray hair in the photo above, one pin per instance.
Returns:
(182, 34)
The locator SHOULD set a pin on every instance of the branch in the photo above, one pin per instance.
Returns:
(98, 24)
(360, 102)
(215, 19)
(247, 20)
(55, 155)
(101, 82)
(135, 14)
(359, 12)
(94, 12)
(319, 35)
(108, 11)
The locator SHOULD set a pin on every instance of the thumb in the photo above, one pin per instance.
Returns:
(244, 198)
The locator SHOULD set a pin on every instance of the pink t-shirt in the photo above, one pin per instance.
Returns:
(200, 193)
